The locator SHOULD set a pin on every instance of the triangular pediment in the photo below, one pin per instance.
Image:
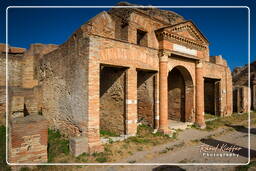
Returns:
(188, 30)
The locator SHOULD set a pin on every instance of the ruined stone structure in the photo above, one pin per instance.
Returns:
(28, 139)
(122, 67)
(244, 97)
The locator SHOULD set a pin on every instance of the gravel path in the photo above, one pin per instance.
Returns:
(186, 149)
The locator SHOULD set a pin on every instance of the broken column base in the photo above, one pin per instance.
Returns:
(80, 145)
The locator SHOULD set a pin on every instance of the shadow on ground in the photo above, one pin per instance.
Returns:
(168, 168)
(242, 152)
(241, 128)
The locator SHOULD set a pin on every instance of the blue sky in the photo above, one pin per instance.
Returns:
(225, 28)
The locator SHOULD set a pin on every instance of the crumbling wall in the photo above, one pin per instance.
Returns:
(63, 74)
(240, 78)
(145, 95)
(22, 82)
(112, 100)
(222, 72)
(253, 96)
(15, 57)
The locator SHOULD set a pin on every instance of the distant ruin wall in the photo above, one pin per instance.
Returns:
(241, 99)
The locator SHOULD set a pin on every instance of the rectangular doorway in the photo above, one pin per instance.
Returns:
(146, 97)
(212, 96)
(112, 99)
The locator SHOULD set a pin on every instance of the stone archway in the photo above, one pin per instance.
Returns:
(180, 95)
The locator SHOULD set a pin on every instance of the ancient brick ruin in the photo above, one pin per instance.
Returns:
(122, 67)
(28, 139)
(244, 96)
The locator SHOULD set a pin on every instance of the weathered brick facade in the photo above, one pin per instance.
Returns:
(144, 50)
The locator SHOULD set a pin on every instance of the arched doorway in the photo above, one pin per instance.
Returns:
(180, 95)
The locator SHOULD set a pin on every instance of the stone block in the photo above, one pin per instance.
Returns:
(78, 145)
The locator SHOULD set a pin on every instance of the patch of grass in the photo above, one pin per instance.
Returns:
(110, 141)
(184, 161)
(3, 164)
(129, 152)
(140, 148)
(83, 157)
(101, 159)
(132, 161)
(209, 116)
(179, 145)
(25, 169)
(105, 133)
(174, 135)
(222, 121)
(139, 140)
(195, 141)
(57, 145)
(251, 165)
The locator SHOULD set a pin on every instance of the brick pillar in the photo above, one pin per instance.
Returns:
(238, 100)
(156, 94)
(229, 92)
(131, 101)
(93, 115)
(200, 95)
(163, 94)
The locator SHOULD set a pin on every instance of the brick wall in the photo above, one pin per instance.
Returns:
(62, 78)
(28, 139)
(222, 72)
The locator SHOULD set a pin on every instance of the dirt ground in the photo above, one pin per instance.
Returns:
(188, 151)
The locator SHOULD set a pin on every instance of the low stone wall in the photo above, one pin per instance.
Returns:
(28, 139)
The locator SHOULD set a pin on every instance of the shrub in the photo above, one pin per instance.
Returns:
(57, 144)
(108, 133)
(3, 164)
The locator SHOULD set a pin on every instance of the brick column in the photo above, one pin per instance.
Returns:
(200, 95)
(163, 94)
(156, 94)
(131, 101)
(93, 116)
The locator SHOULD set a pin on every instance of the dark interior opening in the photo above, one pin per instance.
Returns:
(146, 97)
(176, 96)
(212, 96)
(142, 38)
(112, 99)
(235, 91)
